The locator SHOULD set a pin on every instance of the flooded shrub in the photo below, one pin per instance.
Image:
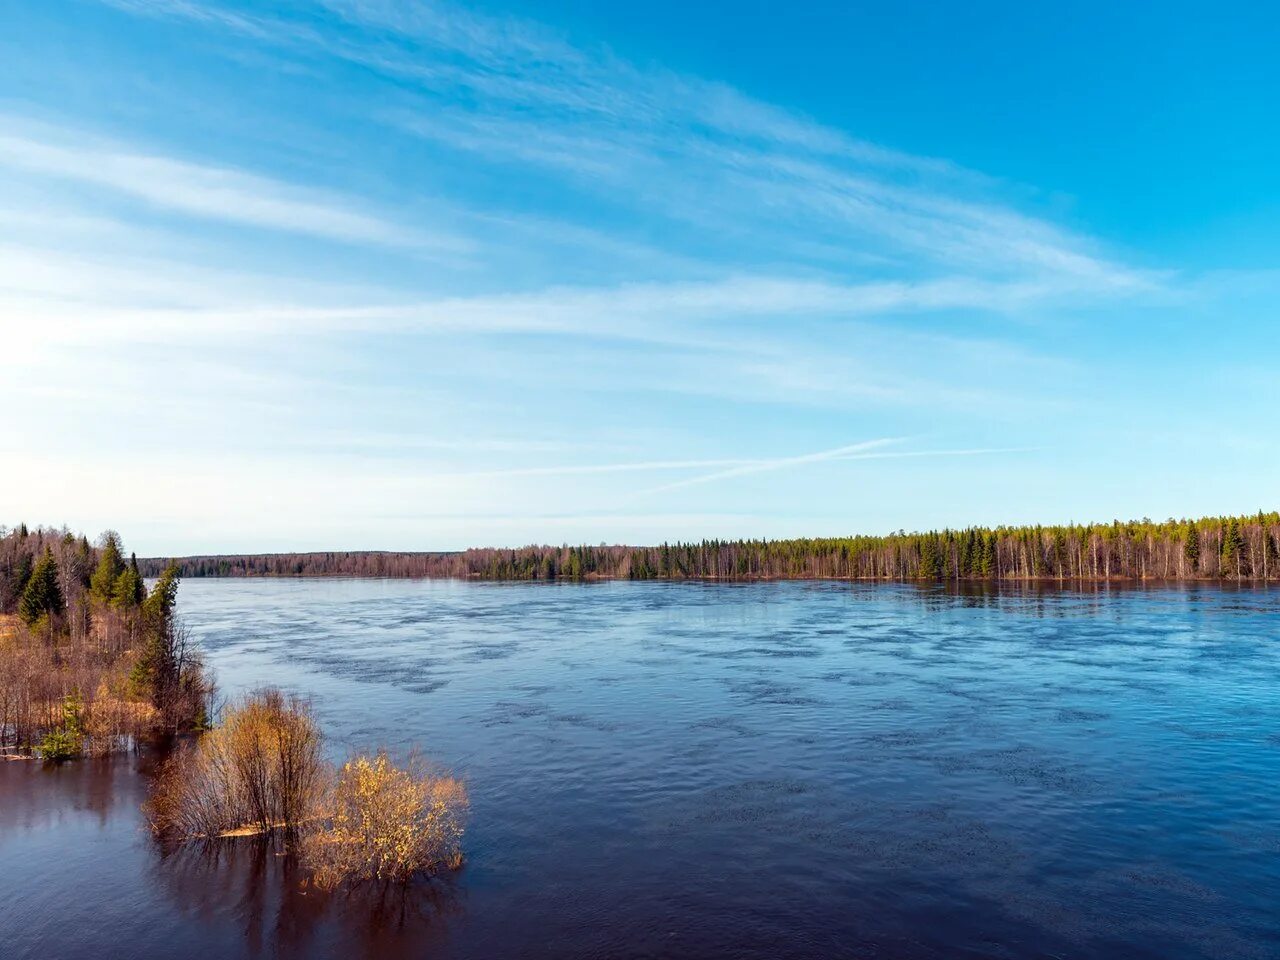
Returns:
(387, 823)
(259, 771)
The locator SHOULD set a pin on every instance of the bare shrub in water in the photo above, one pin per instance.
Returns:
(387, 823)
(260, 770)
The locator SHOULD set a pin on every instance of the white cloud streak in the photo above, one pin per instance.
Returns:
(80, 298)
(644, 251)
(208, 192)
(724, 168)
(857, 451)
(777, 463)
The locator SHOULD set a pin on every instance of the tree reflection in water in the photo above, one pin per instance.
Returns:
(260, 887)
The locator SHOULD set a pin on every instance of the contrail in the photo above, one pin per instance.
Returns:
(779, 463)
(857, 451)
(970, 452)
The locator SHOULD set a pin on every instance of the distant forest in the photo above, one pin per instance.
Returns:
(1211, 548)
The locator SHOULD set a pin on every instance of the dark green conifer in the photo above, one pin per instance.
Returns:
(1233, 546)
(21, 574)
(128, 591)
(110, 565)
(930, 558)
(157, 608)
(43, 595)
(1191, 547)
(988, 563)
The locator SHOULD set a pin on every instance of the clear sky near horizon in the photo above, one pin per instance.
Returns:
(419, 275)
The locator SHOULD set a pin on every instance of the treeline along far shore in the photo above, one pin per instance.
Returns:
(1210, 548)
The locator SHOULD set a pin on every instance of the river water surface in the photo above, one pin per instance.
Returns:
(686, 770)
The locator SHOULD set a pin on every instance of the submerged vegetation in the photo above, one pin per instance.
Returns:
(261, 772)
(258, 771)
(90, 660)
(1211, 548)
(385, 823)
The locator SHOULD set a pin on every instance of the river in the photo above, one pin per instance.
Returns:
(691, 770)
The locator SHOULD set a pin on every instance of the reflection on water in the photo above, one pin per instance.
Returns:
(73, 838)
(262, 888)
(682, 770)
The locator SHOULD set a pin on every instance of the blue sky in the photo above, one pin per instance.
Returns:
(363, 273)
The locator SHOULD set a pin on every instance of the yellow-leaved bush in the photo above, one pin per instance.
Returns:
(261, 771)
(387, 823)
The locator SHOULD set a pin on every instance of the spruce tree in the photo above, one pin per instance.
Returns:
(43, 595)
(930, 558)
(1191, 547)
(156, 671)
(110, 565)
(83, 562)
(21, 576)
(157, 608)
(988, 566)
(1233, 548)
(128, 590)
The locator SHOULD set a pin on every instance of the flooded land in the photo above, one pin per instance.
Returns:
(768, 770)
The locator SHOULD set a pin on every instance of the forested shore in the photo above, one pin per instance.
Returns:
(1244, 548)
(91, 661)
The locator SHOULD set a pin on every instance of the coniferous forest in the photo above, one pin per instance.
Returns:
(1244, 548)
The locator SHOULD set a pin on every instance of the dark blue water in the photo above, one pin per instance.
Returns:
(681, 770)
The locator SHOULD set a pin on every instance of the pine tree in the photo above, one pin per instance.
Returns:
(110, 565)
(43, 595)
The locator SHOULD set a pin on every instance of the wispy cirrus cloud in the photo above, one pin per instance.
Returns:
(646, 252)
(754, 180)
(104, 297)
(204, 191)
